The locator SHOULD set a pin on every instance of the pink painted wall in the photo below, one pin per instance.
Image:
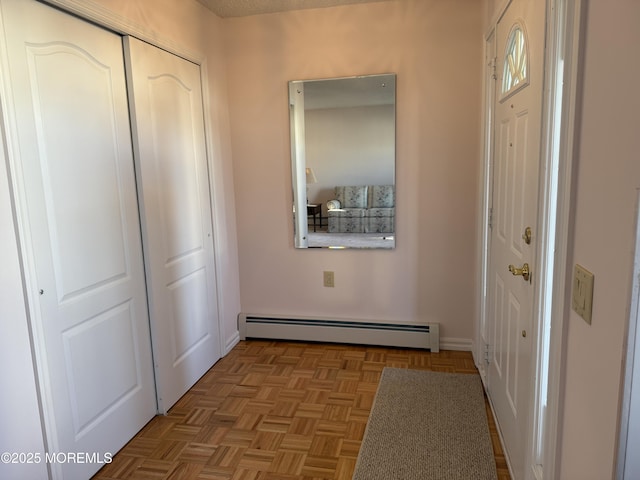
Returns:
(607, 182)
(435, 48)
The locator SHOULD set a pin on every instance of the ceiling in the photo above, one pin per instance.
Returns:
(243, 8)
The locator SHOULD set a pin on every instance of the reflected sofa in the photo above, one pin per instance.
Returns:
(362, 209)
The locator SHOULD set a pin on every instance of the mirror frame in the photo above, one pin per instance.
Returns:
(349, 97)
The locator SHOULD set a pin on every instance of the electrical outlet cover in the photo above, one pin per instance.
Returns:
(328, 279)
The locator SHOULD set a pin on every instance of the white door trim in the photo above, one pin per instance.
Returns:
(481, 347)
(561, 67)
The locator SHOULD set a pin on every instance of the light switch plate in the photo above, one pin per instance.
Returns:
(582, 297)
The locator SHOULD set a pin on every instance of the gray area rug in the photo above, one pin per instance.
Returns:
(427, 425)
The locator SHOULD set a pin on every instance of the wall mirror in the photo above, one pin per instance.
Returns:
(343, 161)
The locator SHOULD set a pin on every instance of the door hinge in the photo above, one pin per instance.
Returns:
(486, 354)
(493, 66)
(491, 218)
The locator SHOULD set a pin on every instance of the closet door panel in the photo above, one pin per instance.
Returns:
(77, 139)
(173, 177)
(76, 190)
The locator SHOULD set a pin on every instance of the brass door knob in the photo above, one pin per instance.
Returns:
(524, 271)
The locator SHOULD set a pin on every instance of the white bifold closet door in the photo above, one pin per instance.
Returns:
(173, 179)
(70, 141)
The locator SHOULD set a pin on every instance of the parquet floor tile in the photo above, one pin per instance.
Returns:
(276, 411)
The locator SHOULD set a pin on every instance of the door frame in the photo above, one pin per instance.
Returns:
(564, 24)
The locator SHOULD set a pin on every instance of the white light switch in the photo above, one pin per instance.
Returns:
(582, 298)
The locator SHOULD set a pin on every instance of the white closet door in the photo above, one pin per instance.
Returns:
(167, 109)
(76, 185)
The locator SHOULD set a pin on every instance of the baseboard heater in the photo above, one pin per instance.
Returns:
(339, 331)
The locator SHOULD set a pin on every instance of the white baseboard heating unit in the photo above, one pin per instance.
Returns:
(339, 331)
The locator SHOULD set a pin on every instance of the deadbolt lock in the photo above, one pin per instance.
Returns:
(524, 271)
(526, 236)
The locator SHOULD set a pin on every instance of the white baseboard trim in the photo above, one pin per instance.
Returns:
(459, 344)
(231, 342)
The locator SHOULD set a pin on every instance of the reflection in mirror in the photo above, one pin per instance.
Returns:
(343, 161)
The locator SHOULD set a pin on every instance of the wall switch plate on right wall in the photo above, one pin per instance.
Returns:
(328, 279)
(582, 297)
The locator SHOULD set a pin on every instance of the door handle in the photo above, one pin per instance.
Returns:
(524, 271)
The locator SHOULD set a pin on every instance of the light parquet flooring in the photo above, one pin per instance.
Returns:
(276, 411)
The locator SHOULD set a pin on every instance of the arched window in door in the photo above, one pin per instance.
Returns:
(515, 70)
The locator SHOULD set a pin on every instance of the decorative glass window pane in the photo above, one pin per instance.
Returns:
(515, 61)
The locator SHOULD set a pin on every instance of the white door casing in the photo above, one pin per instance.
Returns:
(483, 333)
(516, 157)
(78, 215)
(168, 121)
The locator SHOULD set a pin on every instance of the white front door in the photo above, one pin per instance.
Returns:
(70, 138)
(518, 100)
(166, 104)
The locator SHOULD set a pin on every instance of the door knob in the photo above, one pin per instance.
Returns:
(524, 271)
